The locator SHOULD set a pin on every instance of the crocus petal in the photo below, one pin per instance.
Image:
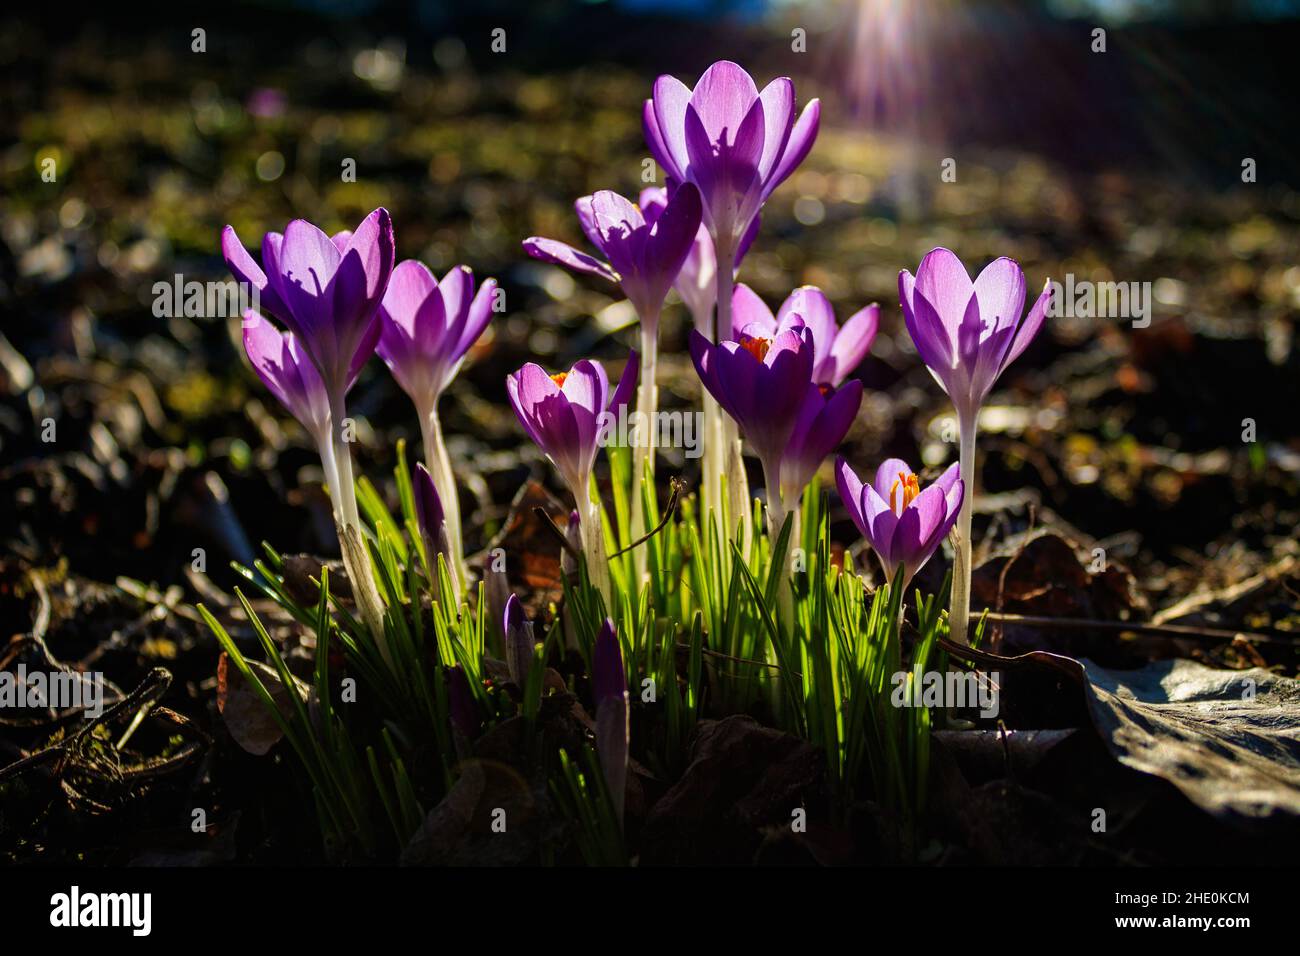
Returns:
(881, 523)
(243, 267)
(914, 533)
(849, 486)
(750, 314)
(722, 98)
(524, 391)
(307, 262)
(1030, 326)
(944, 282)
(587, 390)
(617, 229)
(288, 374)
(798, 145)
(358, 284)
(778, 118)
(669, 103)
(949, 478)
(670, 241)
(821, 426)
(811, 305)
(562, 254)
(704, 358)
(609, 687)
(365, 348)
(626, 387)
(429, 513)
(478, 316)
(852, 343)
(1000, 287)
(889, 471)
(928, 333)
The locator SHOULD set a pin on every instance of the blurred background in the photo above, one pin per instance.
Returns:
(1121, 165)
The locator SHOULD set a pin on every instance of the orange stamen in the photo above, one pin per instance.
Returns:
(559, 377)
(755, 347)
(911, 488)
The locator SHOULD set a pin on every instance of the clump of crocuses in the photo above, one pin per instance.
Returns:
(736, 145)
(326, 290)
(341, 299)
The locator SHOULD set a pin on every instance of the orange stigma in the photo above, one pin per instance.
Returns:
(911, 488)
(755, 347)
(559, 377)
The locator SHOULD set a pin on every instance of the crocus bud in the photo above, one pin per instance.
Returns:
(496, 589)
(609, 687)
(460, 704)
(428, 513)
(519, 641)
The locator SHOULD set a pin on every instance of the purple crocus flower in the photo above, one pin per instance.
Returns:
(326, 290)
(697, 279)
(609, 687)
(428, 512)
(903, 523)
(837, 350)
(290, 376)
(967, 333)
(735, 143)
(568, 415)
(561, 413)
(519, 641)
(760, 382)
(642, 257)
(426, 327)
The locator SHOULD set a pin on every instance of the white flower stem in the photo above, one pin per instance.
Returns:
(325, 448)
(959, 606)
(356, 558)
(593, 545)
(734, 467)
(710, 433)
(444, 479)
(643, 453)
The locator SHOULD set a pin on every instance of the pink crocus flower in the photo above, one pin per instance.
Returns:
(903, 523)
(967, 333)
(426, 328)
